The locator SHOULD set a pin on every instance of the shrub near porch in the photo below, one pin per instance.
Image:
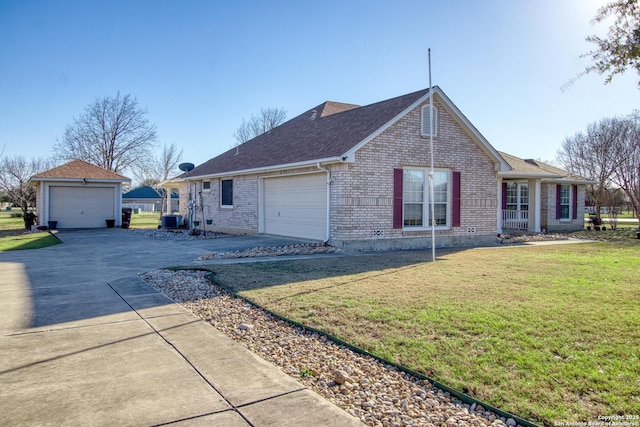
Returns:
(548, 333)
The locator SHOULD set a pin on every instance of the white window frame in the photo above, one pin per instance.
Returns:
(206, 190)
(222, 205)
(567, 198)
(426, 202)
(425, 119)
(517, 201)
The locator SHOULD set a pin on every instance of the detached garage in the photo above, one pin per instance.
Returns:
(79, 195)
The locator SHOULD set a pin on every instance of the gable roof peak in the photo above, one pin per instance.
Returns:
(80, 169)
(332, 107)
(329, 132)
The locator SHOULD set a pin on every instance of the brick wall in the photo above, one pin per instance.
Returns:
(548, 210)
(241, 218)
(362, 192)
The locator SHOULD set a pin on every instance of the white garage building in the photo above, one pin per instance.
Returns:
(79, 195)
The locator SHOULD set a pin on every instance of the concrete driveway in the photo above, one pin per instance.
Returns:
(83, 341)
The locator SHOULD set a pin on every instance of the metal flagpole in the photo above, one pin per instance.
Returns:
(431, 173)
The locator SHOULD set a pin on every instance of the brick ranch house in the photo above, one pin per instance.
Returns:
(357, 177)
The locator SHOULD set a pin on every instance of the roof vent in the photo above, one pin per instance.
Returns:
(313, 114)
(531, 162)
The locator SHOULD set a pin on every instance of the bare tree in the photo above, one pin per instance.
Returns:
(620, 50)
(158, 169)
(609, 154)
(592, 155)
(15, 174)
(626, 174)
(268, 119)
(113, 132)
(615, 199)
(169, 160)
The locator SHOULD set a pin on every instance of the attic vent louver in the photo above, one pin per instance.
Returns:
(313, 114)
(531, 162)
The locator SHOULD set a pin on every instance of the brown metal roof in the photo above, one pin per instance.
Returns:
(326, 131)
(79, 169)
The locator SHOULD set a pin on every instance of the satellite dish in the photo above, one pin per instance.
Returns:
(186, 167)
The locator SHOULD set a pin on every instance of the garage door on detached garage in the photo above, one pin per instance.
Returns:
(296, 206)
(81, 207)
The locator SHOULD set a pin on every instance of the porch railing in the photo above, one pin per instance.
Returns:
(515, 220)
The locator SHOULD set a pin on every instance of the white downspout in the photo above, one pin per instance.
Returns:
(328, 231)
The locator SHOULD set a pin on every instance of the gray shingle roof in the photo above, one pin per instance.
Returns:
(530, 167)
(326, 131)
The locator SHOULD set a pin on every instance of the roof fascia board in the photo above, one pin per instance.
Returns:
(545, 178)
(297, 165)
(568, 181)
(82, 180)
(516, 175)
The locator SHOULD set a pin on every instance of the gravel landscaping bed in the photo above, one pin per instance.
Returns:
(531, 237)
(378, 394)
(179, 234)
(298, 249)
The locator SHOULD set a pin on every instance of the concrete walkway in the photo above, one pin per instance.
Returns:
(83, 341)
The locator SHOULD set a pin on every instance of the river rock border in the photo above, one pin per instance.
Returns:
(298, 249)
(376, 393)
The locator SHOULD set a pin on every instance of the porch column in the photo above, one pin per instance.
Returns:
(535, 196)
(168, 190)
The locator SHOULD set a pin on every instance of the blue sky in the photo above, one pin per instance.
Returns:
(200, 67)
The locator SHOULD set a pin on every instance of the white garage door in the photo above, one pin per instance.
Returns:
(81, 207)
(296, 206)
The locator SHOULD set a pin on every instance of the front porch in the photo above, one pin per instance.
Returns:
(537, 197)
(515, 220)
(521, 203)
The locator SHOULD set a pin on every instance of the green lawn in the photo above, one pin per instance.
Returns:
(549, 333)
(145, 220)
(11, 220)
(624, 233)
(27, 241)
(12, 235)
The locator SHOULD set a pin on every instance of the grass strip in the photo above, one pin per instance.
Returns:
(28, 241)
(456, 393)
(551, 333)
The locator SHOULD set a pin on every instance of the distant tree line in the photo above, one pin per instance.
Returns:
(113, 132)
(607, 153)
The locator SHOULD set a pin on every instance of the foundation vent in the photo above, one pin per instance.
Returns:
(378, 234)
